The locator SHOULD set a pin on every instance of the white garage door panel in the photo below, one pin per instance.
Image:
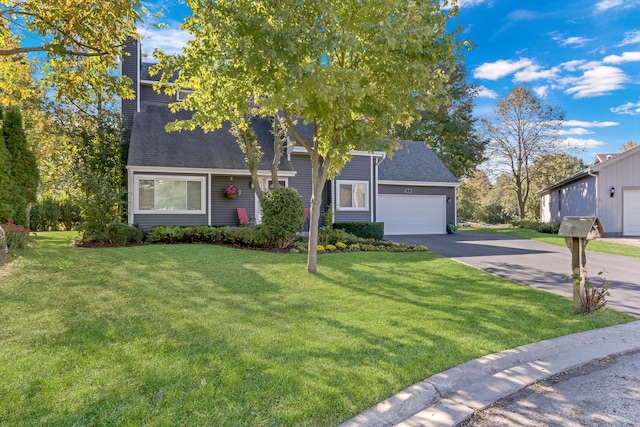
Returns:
(412, 214)
(631, 213)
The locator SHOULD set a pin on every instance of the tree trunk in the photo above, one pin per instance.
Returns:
(278, 146)
(319, 171)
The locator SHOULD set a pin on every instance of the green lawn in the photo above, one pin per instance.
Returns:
(594, 245)
(195, 335)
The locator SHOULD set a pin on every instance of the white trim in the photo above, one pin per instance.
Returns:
(153, 82)
(209, 204)
(352, 182)
(136, 197)
(130, 196)
(229, 172)
(298, 149)
(185, 91)
(371, 180)
(138, 65)
(419, 183)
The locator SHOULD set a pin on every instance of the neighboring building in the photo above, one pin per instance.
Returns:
(609, 189)
(177, 178)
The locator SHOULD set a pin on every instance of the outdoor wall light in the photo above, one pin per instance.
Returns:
(612, 191)
(448, 199)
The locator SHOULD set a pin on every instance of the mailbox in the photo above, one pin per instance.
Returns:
(577, 232)
(583, 227)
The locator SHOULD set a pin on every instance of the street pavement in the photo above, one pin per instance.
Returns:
(587, 379)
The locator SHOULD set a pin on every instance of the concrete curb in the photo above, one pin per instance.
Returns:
(454, 395)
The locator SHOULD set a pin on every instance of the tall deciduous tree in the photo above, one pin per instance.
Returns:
(450, 129)
(80, 39)
(472, 197)
(351, 70)
(23, 162)
(521, 130)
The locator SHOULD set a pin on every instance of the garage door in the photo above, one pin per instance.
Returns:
(631, 213)
(403, 214)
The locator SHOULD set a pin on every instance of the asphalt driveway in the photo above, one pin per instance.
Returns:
(537, 264)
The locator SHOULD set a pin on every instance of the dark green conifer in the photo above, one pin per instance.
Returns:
(23, 163)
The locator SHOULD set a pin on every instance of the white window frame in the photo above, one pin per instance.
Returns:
(350, 208)
(203, 194)
(182, 94)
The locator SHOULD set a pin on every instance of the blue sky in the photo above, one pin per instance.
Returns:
(580, 55)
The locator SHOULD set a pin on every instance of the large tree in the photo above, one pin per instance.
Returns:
(23, 162)
(450, 129)
(350, 70)
(72, 41)
(522, 129)
(472, 196)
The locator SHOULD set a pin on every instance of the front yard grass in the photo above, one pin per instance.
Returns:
(196, 335)
(553, 239)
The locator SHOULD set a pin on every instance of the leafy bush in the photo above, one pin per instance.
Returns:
(51, 213)
(549, 227)
(16, 236)
(282, 215)
(545, 227)
(247, 236)
(332, 236)
(366, 230)
(119, 234)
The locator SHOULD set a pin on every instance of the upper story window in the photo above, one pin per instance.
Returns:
(169, 194)
(182, 94)
(352, 195)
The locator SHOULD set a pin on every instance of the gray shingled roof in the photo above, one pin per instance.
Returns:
(151, 145)
(414, 161)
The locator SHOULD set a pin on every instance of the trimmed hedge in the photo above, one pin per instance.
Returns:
(248, 236)
(120, 234)
(366, 230)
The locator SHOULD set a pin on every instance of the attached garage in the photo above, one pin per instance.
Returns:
(412, 214)
(631, 212)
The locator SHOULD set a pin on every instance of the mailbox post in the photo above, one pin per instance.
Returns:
(577, 232)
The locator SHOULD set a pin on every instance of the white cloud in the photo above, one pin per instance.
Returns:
(485, 92)
(533, 72)
(500, 68)
(464, 3)
(626, 57)
(573, 65)
(170, 39)
(631, 37)
(541, 91)
(630, 108)
(470, 3)
(579, 143)
(523, 15)
(576, 131)
(583, 124)
(569, 41)
(603, 5)
(575, 41)
(597, 81)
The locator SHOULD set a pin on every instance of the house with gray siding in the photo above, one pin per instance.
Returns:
(608, 189)
(178, 178)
